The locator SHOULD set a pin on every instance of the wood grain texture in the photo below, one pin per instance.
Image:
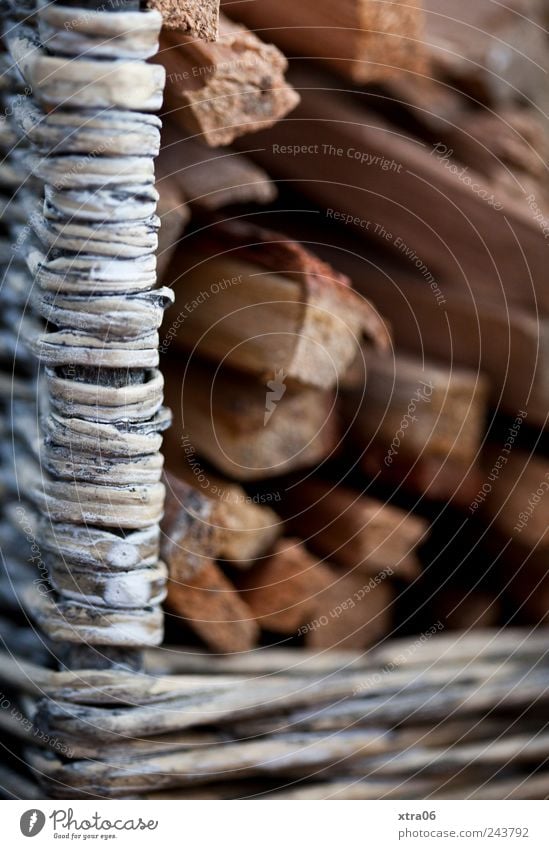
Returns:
(473, 238)
(222, 417)
(210, 179)
(354, 531)
(207, 602)
(260, 302)
(363, 41)
(216, 521)
(282, 589)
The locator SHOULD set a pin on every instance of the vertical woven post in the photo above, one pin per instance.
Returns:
(90, 247)
(21, 560)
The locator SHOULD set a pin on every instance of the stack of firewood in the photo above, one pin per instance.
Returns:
(353, 386)
(261, 338)
(427, 166)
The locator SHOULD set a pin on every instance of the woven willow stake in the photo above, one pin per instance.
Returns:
(17, 365)
(91, 248)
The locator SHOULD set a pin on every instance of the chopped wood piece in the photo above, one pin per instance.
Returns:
(465, 609)
(209, 604)
(354, 531)
(419, 424)
(462, 333)
(227, 419)
(425, 105)
(261, 302)
(433, 478)
(445, 308)
(215, 521)
(493, 51)
(282, 589)
(515, 497)
(354, 612)
(447, 405)
(454, 222)
(210, 179)
(519, 510)
(362, 40)
(507, 146)
(198, 18)
(222, 90)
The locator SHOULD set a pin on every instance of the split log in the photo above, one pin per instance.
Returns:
(518, 509)
(260, 302)
(196, 528)
(422, 104)
(282, 589)
(493, 52)
(219, 521)
(515, 368)
(420, 425)
(354, 612)
(515, 499)
(207, 602)
(219, 91)
(210, 179)
(508, 146)
(226, 419)
(362, 40)
(354, 531)
(457, 329)
(372, 166)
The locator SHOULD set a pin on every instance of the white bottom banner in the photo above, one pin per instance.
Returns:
(276, 824)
